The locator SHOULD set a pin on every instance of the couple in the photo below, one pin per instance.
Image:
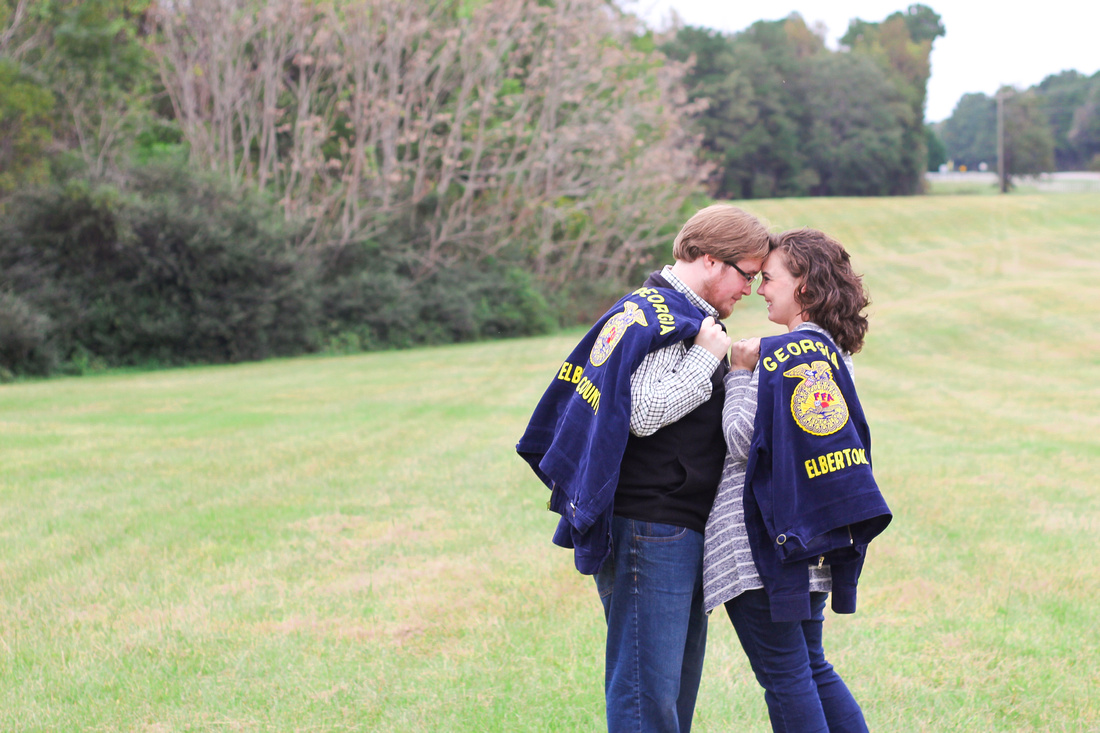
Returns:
(691, 472)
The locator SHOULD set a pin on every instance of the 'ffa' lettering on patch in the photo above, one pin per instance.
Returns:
(817, 404)
(612, 332)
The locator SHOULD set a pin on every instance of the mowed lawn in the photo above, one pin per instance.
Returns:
(351, 543)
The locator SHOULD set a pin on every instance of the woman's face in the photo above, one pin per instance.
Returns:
(777, 287)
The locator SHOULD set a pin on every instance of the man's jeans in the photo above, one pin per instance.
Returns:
(652, 593)
(803, 693)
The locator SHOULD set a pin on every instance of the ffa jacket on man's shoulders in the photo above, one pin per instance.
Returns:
(575, 439)
(810, 495)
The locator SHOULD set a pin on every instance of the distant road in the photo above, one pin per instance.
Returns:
(1063, 182)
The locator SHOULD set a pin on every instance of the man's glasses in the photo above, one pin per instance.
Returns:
(750, 279)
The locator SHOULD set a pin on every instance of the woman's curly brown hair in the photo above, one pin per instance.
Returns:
(832, 294)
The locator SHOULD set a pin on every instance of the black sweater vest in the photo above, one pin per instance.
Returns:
(671, 476)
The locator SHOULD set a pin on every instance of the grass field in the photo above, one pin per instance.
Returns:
(351, 543)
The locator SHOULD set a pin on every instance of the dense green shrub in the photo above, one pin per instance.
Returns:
(371, 299)
(173, 270)
(24, 338)
(176, 269)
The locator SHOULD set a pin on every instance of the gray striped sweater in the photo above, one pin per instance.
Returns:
(728, 568)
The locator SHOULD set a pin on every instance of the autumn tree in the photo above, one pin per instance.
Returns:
(781, 119)
(902, 46)
(508, 128)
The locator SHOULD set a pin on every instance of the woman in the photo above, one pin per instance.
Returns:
(763, 562)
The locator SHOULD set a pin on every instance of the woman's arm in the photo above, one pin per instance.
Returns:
(739, 412)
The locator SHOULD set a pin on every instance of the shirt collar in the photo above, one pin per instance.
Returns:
(677, 283)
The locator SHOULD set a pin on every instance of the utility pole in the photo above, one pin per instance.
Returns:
(1002, 170)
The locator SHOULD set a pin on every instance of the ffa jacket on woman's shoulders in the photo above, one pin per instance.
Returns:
(810, 495)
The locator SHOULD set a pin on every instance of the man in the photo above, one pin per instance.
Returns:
(629, 439)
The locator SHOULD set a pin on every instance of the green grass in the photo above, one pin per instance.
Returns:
(964, 188)
(351, 543)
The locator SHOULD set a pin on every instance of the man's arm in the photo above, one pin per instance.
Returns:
(673, 381)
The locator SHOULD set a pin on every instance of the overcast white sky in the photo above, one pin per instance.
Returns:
(987, 44)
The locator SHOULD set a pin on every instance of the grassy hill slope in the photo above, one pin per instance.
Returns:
(351, 543)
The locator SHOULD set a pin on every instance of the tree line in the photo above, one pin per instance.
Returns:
(1051, 126)
(785, 116)
(201, 181)
(212, 180)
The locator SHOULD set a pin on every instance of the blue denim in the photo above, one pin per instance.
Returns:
(652, 593)
(803, 692)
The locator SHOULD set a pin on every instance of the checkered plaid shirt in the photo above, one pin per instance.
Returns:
(673, 381)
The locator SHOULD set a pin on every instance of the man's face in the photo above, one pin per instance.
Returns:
(723, 285)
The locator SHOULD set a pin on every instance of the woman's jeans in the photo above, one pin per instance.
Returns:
(803, 693)
(652, 593)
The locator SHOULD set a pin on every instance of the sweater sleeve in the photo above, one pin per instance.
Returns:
(739, 412)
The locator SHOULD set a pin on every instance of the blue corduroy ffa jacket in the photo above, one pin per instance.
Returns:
(810, 495)
(579, 429)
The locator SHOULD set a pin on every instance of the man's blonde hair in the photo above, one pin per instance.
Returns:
(724, 232)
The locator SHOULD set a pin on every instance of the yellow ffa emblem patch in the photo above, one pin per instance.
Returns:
(818, 405)
(613, 330)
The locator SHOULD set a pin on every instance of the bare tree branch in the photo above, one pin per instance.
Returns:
(522, 128)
